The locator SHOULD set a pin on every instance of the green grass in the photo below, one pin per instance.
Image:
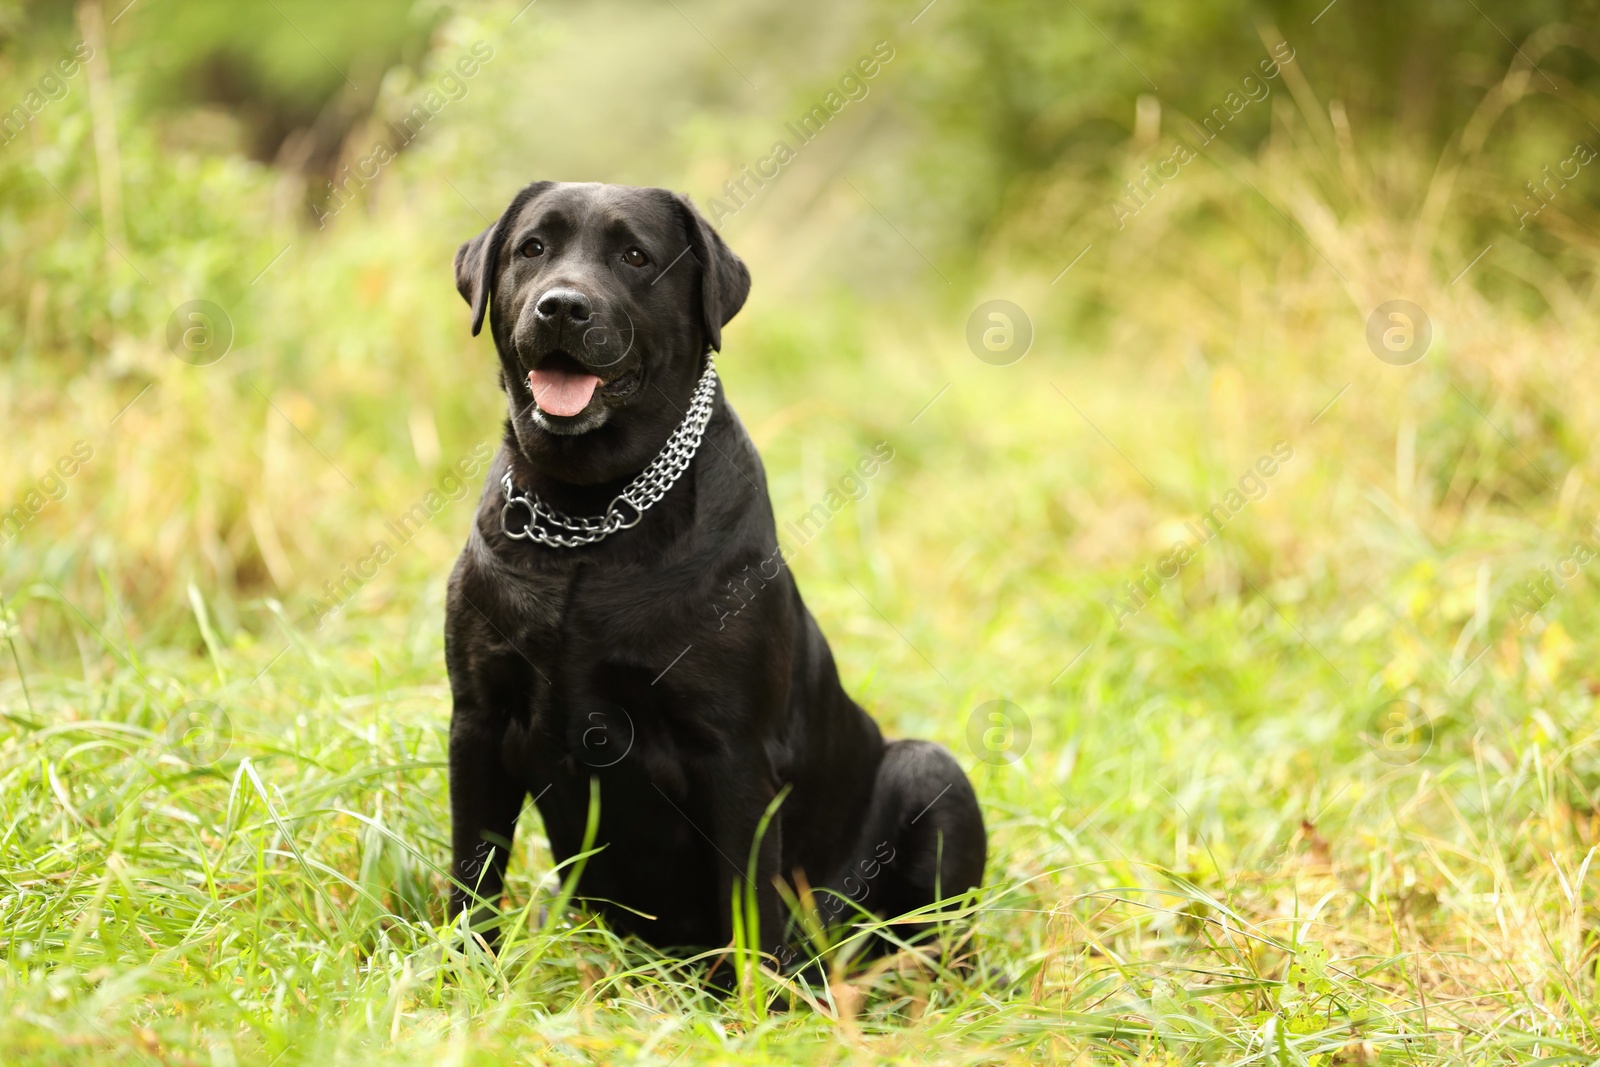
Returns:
(1200, 800)
(1215, 844)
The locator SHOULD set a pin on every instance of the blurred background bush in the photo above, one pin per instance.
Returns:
(220, 152)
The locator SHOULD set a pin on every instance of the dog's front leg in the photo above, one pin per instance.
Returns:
(484, 804)
(742, 792)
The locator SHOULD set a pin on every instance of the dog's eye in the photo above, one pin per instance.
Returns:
(532, 247)
(633, 257)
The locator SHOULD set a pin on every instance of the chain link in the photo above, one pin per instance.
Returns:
(550, 527)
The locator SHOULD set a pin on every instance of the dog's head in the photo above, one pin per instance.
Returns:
(602, 301)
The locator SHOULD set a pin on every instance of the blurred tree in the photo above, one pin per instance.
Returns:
(1009, 91)
(296, 74)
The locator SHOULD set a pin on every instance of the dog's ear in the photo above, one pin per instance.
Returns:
(475, 271)
(477, 259)
(724, 281)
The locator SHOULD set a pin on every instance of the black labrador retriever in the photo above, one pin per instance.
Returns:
(585, 632)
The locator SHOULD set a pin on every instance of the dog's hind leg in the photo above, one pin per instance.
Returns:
(922, 841)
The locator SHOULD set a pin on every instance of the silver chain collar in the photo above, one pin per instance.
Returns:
(550, 527)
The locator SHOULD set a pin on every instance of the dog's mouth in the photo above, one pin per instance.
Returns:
(563, 387)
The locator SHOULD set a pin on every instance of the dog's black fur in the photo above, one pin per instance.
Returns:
(612, 661)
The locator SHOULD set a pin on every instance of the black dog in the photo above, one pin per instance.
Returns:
(584, 633)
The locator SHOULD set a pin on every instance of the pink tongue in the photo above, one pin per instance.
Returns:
(561, 392)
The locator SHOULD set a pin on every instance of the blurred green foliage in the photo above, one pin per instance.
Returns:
(1002, 141)
(280, 67)
(1015, 89)
(1002, 131)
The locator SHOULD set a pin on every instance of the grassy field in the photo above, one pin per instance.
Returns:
(1316, 783)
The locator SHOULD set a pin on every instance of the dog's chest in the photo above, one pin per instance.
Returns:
(578, 629)
(607, 647)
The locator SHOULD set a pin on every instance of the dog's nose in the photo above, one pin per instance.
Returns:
(564, 303)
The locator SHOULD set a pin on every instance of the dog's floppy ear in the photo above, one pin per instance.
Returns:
(476, 260)
(724, 281)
